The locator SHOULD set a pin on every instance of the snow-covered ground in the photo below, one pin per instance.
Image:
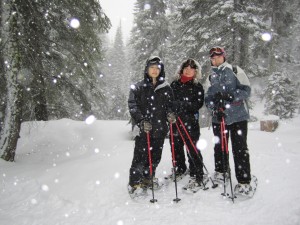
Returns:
(73, 173)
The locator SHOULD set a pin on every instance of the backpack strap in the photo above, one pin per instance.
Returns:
(234, 69)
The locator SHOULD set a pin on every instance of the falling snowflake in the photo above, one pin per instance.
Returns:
(74, 23)
(91, 119)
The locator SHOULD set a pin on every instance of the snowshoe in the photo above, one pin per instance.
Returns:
(193, 185)
(179, 176)
(219, 178)
(246, 190)
(156, 184)
(137, 191)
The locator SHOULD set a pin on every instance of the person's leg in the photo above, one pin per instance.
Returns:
(238, 133)
(139, 160)
(195, 159)
(156, 152)
(179, 154)
(218, 153)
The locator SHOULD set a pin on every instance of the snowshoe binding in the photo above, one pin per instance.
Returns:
(246, 190)
(218, 177)
(156, 184)
(193, 185)
(179, 176)
(138, 191)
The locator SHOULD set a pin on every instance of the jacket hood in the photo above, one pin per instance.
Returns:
(179, 71)
(155, 60)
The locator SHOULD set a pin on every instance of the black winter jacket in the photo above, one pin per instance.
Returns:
(150, 103)
(188, 99)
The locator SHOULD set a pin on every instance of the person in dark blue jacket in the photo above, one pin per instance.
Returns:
(150, 102)
(226, 98)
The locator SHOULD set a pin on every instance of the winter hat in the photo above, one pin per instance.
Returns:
(153, 60)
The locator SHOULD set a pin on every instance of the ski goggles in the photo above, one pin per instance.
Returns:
(155, 60)
(190, 63)
(216, 51)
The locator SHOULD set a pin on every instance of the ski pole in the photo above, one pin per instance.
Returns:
(224, 143)
(150, 167)
(174, 162)
(223, 158)
(195, 149)
(188, 151)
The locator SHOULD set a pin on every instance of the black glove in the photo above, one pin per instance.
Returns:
(219, 114)
(171, 118)
(218, 101)
(227, 96)
(221, 97)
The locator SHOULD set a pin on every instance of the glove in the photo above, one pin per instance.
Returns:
(227, 96)
(171, 118)
(218, 100)
(145, 126)
(219, 114)
(221, 97)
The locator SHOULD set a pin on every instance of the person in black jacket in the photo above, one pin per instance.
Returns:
(150, 102)
(188, 99)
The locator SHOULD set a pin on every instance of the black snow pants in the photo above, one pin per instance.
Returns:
(140, 169)
(238, 135)
(194, 158)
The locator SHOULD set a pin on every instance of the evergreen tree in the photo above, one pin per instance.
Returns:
(2, 78)
(13, 113)
(281, 98)
(117, 79)
(59, 62)
(231, 24)
(280, 16)
(149, 34)
(51, 60)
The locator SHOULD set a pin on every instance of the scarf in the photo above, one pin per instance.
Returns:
(185, 79)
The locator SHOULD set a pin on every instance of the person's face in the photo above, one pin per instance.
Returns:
(153, 71)
(217, 60)
(189, 71)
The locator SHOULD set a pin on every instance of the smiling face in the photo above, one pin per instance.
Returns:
(189, 71)
(217, 60)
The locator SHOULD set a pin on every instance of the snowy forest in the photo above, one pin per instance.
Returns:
(57, 60)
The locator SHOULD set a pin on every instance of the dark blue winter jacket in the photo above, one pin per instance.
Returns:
(223, 80)
(151, 103)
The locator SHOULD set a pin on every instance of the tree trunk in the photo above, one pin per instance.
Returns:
(244, 50)
(12, 121)
(275, 21)
(39, 97)
(38, 85)
(235, 36)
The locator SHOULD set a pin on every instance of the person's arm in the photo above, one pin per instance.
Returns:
(133, 105)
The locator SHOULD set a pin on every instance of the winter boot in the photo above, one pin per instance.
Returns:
(156, 184)
(179, 176)
(218, 177)
(247, 190)
(137, 191)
